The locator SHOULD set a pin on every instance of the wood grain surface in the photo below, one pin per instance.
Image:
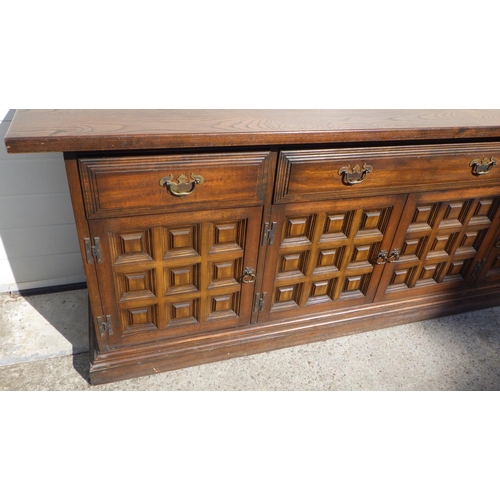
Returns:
(99, 130)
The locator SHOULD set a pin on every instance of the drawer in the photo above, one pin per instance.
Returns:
(138, 185)
(342, 173)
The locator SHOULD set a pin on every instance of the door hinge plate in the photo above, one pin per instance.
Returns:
(259, 301)
(478, 267)
(104, 324)
(268, 233)
(92, 251)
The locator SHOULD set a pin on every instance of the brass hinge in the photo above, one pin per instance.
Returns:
(104, 325)
(259, 301)
(479, 266)
(92, 251)
(268, 234)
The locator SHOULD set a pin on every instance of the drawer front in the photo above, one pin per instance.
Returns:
(344, 173)
(114, 187)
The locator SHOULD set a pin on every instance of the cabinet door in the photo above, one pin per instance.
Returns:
(488, 268)
(325, 254)
(441, 239)
(179, 274)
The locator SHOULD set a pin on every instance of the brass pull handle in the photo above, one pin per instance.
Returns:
(354, 175)
(181, 187)
(249, 275)
(383, 257)
(482, 167)
(394, 255)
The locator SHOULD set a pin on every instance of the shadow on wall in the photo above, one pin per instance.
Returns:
(38, 240)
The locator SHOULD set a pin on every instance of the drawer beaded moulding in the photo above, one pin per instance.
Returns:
(209, 234)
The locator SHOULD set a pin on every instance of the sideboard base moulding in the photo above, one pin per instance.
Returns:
(210, 234)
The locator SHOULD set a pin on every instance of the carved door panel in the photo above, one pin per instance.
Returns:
(441, 243)
(324, 255)
(179, 274)
(489, 271)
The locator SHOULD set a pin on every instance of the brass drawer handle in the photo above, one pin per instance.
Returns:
(354, 175)
(482, 167)
(181, 187)
(249, 275)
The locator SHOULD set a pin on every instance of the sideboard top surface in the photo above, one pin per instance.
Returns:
(72, 130)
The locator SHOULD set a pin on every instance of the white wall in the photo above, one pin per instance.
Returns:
(38, 241)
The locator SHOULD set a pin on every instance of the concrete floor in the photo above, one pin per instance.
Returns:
(43, 346)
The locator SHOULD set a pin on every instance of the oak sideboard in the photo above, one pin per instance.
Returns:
(209, 234)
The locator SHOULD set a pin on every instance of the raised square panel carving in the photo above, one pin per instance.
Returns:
(132, 247)
(422, 215)
(296, 227)
(297, 231)
(352, 283)
(414, 247)
(468, 239)
(181, 242)
(321, 291)
(319, 288)
(371, 220)
(292, 265)
(223, 270)
(410, 247)
(355, 286)
(428, 272)
(423, 218)
(337, 227)
(139, 316)
(360, 258)
(227, 236)
(135, 285)
(361, 253)
(373, 223)
(225, 273)
(454, 210)
(483, 208)
(222, 303)
(139, 319)
(441, 246)
(182, 313)
(225, 233)
(181, 279)
(455, 268)
(286, 297)
(335, 224)
(328, 260)
(455, 214)
(290, 262)
(484, 212)
(399, 277)
(223, 306)
(327, 257)
(440, 243)
(285, 293)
